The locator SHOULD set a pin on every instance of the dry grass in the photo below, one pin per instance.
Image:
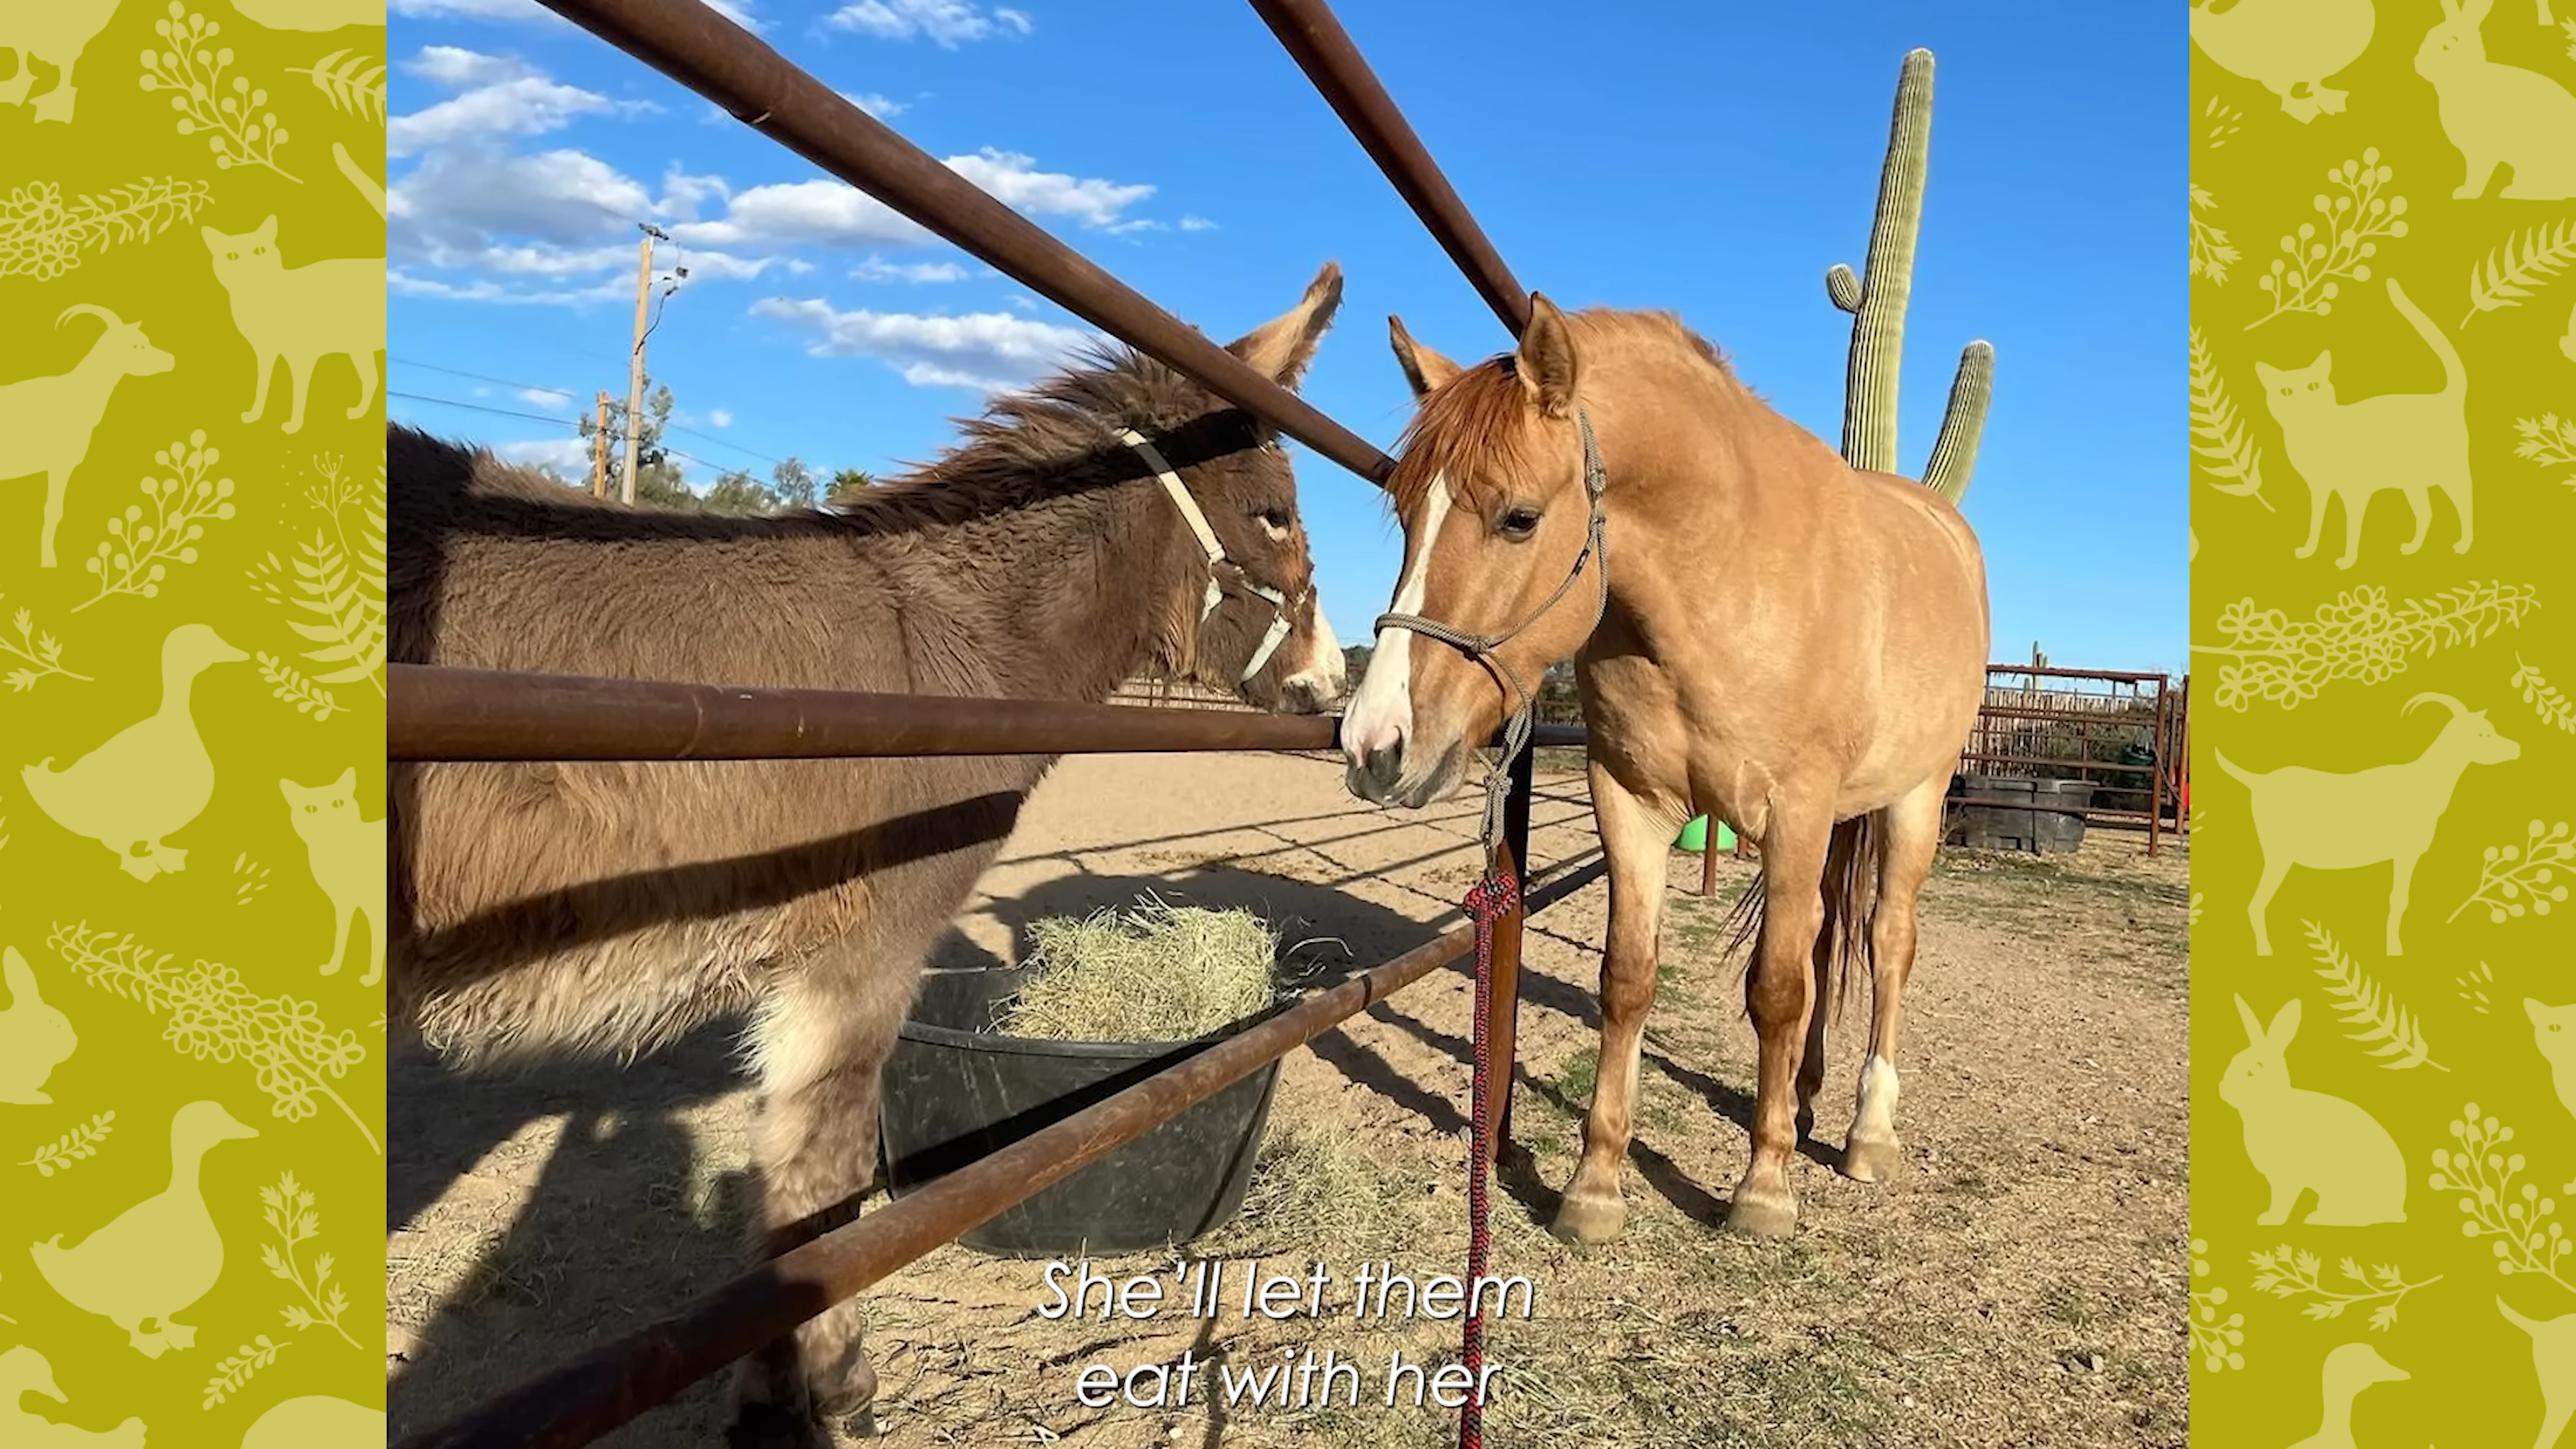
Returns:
(1156, 972)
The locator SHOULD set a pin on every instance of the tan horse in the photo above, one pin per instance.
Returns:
(1786, 644)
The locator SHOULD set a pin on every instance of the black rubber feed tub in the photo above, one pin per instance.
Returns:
(2016, 813)
(954, 1094)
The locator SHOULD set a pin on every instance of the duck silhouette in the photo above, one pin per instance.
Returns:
(34, 1037)
(2286, 46)
(149, 781)
(158, 1256)
(22, 1371)
(317, 1421)
(2349, 1369)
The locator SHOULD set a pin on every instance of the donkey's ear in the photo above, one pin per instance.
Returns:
(1547, 364)
(1280, 348)
(1423, 368)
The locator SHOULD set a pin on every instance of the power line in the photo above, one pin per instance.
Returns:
(568, 393)
(574, 423)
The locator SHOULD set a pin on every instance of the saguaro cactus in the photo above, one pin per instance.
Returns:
(1877, 304)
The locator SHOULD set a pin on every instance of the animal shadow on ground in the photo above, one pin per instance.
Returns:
(619, 1224)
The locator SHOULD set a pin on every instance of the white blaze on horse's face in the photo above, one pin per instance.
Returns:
(1380, 718)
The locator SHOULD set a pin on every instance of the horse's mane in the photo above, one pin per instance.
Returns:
(1475, 428)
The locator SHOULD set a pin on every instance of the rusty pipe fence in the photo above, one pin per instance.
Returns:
(449, 714)
(453, 714)
(2053, 723)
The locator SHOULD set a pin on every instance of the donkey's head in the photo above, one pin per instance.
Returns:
(1491, 491)
(1258, 629)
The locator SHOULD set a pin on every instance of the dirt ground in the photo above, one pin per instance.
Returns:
(2022, 1283)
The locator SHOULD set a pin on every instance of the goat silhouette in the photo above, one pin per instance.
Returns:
(2329, 821)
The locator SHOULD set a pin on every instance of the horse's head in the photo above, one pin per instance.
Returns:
(1259, 629)
(1491, 491)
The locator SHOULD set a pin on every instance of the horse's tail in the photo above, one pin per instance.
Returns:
(1851, 903)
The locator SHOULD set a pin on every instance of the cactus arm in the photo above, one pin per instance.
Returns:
(1843, 287)
(1878, 325)
(1954, 456)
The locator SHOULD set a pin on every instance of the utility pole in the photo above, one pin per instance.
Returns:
(599, 450)
(635, 366)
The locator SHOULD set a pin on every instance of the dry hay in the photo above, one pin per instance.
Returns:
(1156, 972)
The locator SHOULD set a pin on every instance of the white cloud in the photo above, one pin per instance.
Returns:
(462, 195)
(874, 104)
(721, 417)
(546, 397)
(496, 96)
(822, 213)
(946, 23)
(1013, 178)
(984, 350)
(738, 11)
(878, 269)
(1197, 223)
(568, 456)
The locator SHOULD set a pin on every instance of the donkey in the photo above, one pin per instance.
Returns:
(614, 907)
(1819, 702)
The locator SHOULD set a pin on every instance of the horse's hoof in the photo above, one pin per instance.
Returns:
(1762, 1217)
(758, 1425)
(1589, 1218)
(1872, 1159)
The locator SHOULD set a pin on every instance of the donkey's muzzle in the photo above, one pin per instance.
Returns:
(1373, 776)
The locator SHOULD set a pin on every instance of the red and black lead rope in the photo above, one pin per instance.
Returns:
(1493, 898)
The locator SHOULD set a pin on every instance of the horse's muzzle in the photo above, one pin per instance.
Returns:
(1378, 777)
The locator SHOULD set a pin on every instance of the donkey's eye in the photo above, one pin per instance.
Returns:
(1517, 524)
(1274, 521)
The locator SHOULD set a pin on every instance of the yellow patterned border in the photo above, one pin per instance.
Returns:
(2382, 381)
(191, 731)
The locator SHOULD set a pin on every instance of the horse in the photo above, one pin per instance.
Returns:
(1761, 634)
(1114, 519)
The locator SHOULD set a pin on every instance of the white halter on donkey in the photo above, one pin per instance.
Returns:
(1280, 607)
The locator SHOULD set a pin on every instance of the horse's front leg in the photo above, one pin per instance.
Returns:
(821, 1040)
(1637, 842)
(1779, 994)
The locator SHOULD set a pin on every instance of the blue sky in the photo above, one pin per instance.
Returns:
(1712, 159)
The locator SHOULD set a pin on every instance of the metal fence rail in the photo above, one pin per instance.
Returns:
(436, 712)
(620, 1380)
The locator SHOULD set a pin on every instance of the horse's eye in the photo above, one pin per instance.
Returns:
(1517, 524)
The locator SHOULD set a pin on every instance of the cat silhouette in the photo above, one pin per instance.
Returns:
(2405, 442)
(2553, 1358)
(300, 314)
(348, 859)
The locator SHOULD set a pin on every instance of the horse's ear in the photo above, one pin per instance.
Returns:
(1280, 348)
(1423, 368)
(1547, 365)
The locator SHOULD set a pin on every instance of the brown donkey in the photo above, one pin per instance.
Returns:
(1785, 643)
(612, 908)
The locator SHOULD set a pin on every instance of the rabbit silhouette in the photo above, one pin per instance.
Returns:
(2301, 1140)
(2498, 115)
(34, 1037)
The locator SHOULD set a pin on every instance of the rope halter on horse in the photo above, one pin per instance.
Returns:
(1280, 607)
(1480, 648)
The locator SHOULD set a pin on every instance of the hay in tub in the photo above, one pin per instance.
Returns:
(1155, 972)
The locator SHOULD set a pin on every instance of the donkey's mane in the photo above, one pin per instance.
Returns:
(1475, 428)
(1064, 425)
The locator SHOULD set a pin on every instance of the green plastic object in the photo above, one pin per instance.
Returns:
(1694, 836)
